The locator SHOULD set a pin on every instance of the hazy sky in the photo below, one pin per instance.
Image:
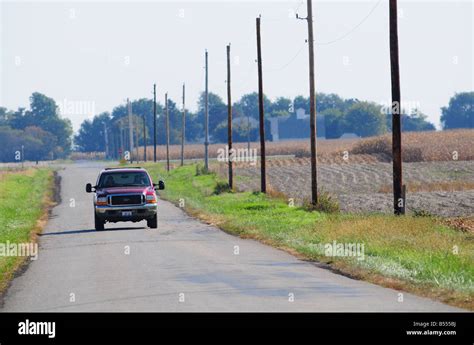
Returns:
(95, 54)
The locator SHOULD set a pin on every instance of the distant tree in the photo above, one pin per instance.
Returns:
(91, 135)
(460, 111)
(281, 107)
(365, 119)
(217, 116)
(194, 129)
(4, 116)
(416, 121)
(175, 123)
(44, 146)
(334, 122)
(248, 105)
(301, 102)
(37, 144)
(43, 113)
(324, 101)
(11, 141)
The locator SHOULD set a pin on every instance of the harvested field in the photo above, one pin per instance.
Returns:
(417, 147)
(327, 149)
(362, 186)
(423, 146)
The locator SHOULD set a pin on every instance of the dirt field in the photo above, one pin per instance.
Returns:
(366, 186)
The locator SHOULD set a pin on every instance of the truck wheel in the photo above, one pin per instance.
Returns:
(152, 222)
(99, 224)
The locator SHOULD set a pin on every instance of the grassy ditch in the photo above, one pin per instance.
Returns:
(415, 254)
(24, 198)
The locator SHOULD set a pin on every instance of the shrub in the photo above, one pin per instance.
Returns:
(422, 213)
(221, 187)
(302, 153)
(201, 170)
(326, 203)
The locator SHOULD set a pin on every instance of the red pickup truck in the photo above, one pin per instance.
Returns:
(125, 195)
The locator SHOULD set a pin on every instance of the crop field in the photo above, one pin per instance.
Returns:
(417, 146)
(438, 173)
(329, 148)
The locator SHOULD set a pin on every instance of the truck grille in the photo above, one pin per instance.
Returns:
(136, 199)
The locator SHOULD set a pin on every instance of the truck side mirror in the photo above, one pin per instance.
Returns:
(161, 185)
(88, 188)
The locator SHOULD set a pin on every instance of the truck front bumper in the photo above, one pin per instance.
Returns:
(124, 213)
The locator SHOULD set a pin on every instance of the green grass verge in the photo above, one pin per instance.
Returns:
(409, 253)
(23, 199)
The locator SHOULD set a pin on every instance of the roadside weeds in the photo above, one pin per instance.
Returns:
(50, 198)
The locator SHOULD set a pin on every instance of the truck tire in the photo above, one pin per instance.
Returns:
(99, 223)
(152, 222)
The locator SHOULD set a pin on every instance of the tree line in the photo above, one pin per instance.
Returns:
(39, 132)
(45, 135)
(340, 116)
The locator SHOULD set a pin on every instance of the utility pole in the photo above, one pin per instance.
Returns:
(117, 146)
(206, 118)
(106, 141)
(248, 132)
(113, 139)
(154, 123)
(183, 128)
(121, 138)
(144, 137)
(167, 134)
(130, 127)
(312, 106)
(137, 132)
(398, 194)
(261, 111)
(229, 120)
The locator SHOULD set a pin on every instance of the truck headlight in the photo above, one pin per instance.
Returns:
(102, 201)
(151, 199)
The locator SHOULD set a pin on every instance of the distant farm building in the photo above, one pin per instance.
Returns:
(295, 126)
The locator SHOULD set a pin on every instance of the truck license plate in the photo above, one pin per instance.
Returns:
(126, 213)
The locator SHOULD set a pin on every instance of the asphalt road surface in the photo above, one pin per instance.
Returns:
(184, 265)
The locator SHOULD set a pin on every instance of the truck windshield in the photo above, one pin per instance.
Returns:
(124, 179)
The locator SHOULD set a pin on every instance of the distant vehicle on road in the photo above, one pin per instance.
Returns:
(125, 195)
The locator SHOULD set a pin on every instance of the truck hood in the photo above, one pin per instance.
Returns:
(121, 190)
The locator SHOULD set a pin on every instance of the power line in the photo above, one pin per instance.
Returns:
(353, 29)
(289, 61)
(328, 42)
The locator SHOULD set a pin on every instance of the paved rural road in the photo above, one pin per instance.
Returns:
(182, 256)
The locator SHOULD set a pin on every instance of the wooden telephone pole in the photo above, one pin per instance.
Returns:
(183, 128)
(106, 142)
(121, 138)
(206, 118)
(261, 110)
(398, 193)
(229, 119)
(154, 123)
(167, 134)
(130, 128)
(312, 105)
(144, 137)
